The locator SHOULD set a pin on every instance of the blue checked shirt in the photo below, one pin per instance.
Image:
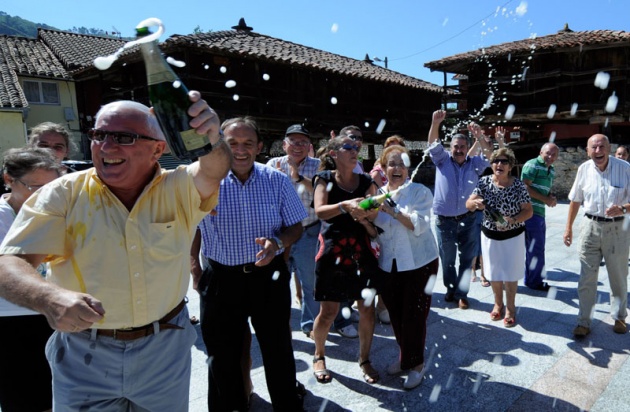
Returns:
(307, 168)
(262, 206)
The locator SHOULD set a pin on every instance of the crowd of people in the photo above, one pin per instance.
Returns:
(98, 262)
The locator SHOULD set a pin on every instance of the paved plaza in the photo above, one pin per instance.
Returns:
(472, 362)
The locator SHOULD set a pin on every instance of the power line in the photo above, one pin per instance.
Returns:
(452, 37)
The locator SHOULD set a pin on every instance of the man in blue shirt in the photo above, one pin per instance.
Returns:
(258, 215)
(456, 176)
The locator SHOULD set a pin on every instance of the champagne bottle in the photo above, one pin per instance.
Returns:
(170, 101)
(495, 216)
(374, 202)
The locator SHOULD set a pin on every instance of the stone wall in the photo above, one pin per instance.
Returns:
(569, 159)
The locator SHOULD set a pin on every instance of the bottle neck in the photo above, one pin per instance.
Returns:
(158, 70)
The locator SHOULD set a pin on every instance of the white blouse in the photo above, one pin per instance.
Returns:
(411, 249)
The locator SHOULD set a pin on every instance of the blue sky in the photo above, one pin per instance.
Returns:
(407, 32)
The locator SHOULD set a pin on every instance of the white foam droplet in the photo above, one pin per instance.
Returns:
(574, 108)
(333, 100)
(427, 219)
(366, 124)
(230, 83)
(177, 84)
(236, 97)
(552, 111)
(104, 63)
(338, 260)
(551, 293)
(266, 77)
(345, 312)
(275, 275)
(611, 104)
(509, 112)
(334, 28)
(405, 159)
(601, 80)
(174, 62)
(552, 137)
(206, 67)
(428, 289)
(381, 126)
(435, 393)
(300, 189)
(329, 186)
(368, 296)
(223, 69)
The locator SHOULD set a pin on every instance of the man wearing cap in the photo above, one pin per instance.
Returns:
(300, 168)
(602, 187)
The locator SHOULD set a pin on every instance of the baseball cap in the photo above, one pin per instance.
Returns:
(297, 128)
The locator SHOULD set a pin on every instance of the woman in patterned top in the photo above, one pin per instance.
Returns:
(506, 205)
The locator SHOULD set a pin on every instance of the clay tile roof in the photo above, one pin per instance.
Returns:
(78, 51)
(11, 94)
(245, 43)
(564, 39)
(29, 57)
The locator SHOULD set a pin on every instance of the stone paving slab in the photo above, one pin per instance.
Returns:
(472, 362)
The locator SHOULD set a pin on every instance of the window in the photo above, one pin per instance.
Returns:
(41, 92)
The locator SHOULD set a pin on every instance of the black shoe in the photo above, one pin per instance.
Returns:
(542, 287)
(449, 297)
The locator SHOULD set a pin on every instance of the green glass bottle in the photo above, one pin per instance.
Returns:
(495, 216)
(374, 202)
(170, 101)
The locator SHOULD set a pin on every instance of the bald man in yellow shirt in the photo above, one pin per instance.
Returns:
(117, 237)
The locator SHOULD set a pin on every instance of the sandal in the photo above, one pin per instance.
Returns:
(485, 282)
(370, 375)
(509, 322)
(321, 375)
(496, 315)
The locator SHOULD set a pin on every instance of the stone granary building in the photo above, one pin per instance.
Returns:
(277, 82)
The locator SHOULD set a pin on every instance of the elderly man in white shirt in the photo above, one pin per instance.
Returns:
(602, 187)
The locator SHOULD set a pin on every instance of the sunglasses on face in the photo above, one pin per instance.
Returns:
(348, 146)
(502, 161)
(121, 138)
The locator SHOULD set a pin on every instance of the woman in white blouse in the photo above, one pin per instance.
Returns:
(409, 255)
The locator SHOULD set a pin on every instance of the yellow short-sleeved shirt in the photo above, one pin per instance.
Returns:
(137, 263)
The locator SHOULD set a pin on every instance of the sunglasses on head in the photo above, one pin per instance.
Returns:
(121, 138)
(348, 146)
(502, 161)
(355, 137)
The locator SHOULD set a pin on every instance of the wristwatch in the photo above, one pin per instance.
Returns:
(300, 178)
(396, 212)
(624, 209)
(278, 242)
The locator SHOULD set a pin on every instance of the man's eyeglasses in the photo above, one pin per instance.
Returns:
(348, 146)
(122, 138)
(300, 143)
(502, 161)
(30, 188)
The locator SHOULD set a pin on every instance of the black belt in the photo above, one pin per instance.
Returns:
(146, 330)
(310, 225)
(246, 268)
(456, 218)
(603, 219)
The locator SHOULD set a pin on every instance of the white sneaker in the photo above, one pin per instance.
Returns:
(394, 368)
(383, 316)
(348, 332)
(413, 379)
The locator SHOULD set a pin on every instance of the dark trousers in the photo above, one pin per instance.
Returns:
(230, 297)
(535, 232)
(409, 307)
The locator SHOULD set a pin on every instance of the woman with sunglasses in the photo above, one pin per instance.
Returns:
(25, 379)
(409, 256)
(506, 205)
(346, 266)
